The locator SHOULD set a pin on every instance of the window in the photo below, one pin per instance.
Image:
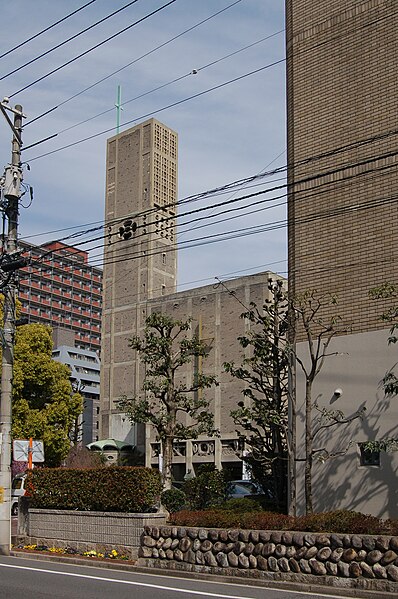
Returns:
(368, 457)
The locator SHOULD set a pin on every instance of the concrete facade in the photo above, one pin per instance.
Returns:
(85, 375)
(342, 133)
(215, 315)
(140, 277)
(140, 256)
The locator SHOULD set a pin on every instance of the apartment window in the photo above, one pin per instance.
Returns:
(368, 457)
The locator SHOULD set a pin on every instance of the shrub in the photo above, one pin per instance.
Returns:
(207, 489)
(173, 500)
(81, 457)
(244, 504)
(341, 521)
(112, 489)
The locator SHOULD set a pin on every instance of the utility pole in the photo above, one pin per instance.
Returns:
(11, 194)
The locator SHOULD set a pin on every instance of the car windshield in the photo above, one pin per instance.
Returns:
(17, 483)
(243, 487)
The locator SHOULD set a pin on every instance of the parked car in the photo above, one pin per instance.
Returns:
(17, 490)
(250, 489)
(236, 489)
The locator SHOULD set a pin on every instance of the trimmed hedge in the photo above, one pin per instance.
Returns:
(339, 521)
(111, 489)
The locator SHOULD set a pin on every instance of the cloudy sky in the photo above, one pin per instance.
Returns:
(231, 133)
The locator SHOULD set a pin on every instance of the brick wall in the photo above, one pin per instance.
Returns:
(341, 73)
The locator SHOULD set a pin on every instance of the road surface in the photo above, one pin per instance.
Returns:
(43, 579)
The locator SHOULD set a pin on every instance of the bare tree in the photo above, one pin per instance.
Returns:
(318, 332)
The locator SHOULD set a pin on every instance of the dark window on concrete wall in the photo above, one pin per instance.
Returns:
(368, 457)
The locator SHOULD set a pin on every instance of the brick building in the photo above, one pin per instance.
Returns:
(60, 288)
(342, 99)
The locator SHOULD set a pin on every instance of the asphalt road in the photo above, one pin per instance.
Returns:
(41, 579)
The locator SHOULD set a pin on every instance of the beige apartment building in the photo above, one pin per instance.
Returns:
(342, 99)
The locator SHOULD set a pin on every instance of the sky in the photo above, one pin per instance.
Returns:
(231, 133)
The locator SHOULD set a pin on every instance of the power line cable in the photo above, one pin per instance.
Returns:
(253, 230)
(308, 179)
(73, 37)
(130, 63)
(269, 226)
(148, 114)
(214, 191)
(346, 266)
(352, 208)
(224, 203)
(167, 84)
(247, 196)
(46, 29)
(194, 96)
(111, 37)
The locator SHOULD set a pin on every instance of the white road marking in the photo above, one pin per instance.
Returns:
(130, 582)
(167, 588)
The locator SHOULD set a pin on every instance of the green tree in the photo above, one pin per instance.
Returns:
(165, 351)
(263, 417)
(44, 405)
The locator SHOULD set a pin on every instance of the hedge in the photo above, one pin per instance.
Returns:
(111, 489)
(339, 521)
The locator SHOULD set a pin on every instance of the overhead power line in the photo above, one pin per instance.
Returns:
(177, 103)
(46, 29)
(199, 94)
(238, 183)
(249, 231)
(48, 111)
(168, 83)
(73, 37)
(307, 194)
(111, 37)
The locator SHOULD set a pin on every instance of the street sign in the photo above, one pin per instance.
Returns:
(20, 449)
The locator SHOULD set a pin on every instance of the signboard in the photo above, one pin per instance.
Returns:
(20, 449)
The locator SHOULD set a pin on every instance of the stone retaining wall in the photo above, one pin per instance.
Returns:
(289, 553)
